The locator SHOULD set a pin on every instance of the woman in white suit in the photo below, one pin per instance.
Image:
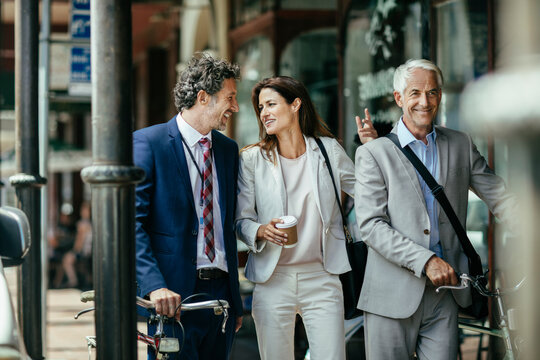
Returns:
(285, 174)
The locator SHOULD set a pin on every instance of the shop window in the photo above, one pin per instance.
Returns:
(312, 59)
(461, 51)
(462, 54)
(379, 37)
(256, 59)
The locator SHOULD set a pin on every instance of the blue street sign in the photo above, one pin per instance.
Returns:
(80, 26)
(81, 5)
(80, 64)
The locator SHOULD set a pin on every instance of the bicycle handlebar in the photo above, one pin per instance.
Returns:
(208, 304)
(216, 305)
(463, 285)
(474, 281)
(482, 289)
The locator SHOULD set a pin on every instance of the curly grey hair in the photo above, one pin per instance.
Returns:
(203, 72)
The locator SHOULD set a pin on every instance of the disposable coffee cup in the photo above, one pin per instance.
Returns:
(289, 227)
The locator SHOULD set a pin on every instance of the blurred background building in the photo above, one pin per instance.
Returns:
(344, 51)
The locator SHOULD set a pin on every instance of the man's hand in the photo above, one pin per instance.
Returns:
(440, 272)
(366, 131)
(166, 302)
(238, 324)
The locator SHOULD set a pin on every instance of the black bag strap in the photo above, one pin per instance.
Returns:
(438, 191)
(327, 160)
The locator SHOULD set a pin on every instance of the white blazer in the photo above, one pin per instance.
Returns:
(262, 197)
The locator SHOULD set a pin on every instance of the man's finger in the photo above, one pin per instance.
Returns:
(368, 116)
(158, 306)
(358, 122)
(368, 124)
(172, 307)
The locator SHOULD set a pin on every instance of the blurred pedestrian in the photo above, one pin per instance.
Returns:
(77, 263)
(61, 240)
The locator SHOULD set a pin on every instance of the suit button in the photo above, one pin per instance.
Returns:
(194, 232)
(426, 231)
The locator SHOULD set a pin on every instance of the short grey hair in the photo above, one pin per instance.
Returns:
(203, 72)
(404, 72)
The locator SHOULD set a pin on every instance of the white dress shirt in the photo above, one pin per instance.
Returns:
(191, 139)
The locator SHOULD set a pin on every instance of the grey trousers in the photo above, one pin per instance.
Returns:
(431, 332)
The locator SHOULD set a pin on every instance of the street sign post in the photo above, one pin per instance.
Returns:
(80, 78)
(80, 25)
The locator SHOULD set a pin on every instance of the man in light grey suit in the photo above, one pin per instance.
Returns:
(412, 245)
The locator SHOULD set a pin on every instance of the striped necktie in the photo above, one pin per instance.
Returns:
(207, 204)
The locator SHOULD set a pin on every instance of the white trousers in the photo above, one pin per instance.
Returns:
(431, 332)
(307, 290)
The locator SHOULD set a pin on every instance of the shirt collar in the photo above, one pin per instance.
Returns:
(190, 135)
(406, 137)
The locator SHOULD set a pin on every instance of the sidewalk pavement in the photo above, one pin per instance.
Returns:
(65, 335)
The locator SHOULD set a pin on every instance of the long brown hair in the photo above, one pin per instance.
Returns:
(311, 123)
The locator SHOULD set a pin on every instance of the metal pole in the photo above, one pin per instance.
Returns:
(43, 119)
(113, 177)
(1, 102)
(27, 181)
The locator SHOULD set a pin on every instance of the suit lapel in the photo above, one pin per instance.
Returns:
(177, 148)
(220, 164)
(410, 170)
(442, 149)
(276, 172)
(314, 160)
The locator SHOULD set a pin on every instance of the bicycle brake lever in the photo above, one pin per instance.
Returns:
(84, 312)
(463, 285)
(225, 318)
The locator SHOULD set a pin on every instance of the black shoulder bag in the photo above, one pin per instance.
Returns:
(479, 306)
(357, 251)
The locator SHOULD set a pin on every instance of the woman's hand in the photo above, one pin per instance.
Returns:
(366, 131)
(270, 233)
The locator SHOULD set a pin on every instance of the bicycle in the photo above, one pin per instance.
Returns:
(506, 321)
(162, 345)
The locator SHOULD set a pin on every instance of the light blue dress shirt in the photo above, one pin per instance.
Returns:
(429, 157)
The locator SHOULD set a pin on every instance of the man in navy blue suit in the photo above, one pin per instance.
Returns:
(185, 242)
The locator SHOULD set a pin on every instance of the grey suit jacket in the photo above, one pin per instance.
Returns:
(262, 196)
(394, 223)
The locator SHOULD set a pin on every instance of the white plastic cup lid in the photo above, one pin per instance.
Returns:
(288, 221)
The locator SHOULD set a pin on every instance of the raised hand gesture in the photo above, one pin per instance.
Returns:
(366, 131)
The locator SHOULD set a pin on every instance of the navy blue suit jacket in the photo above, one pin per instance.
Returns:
(166, 219)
